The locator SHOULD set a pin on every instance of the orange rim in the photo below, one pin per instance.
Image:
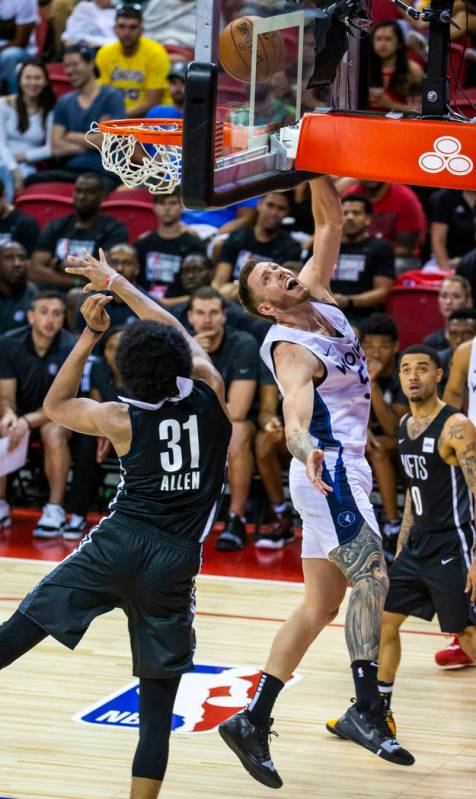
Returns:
(148, 134)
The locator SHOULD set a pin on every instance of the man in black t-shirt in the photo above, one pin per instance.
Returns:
(86, 229)
(453, 225)
(365, 270)
(16, 295)
(235, 356)
(161, 253)
(266, 241)
(379, 339)
(30, 357)
(15, 225)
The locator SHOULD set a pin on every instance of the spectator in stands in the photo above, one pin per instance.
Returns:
(453, 226)
(17, 38)
(57, 13)
(16, 294)
(397, 217)
(235, 355)
(29, 359)
(454, 293)
(123, 258)
(391, 71)
(15, 225)
(172, 22)
(266, 240)
(365, 270)
(85, 229)
(75, 112)
(272, 455)
(26, 121)
(467, 268)
(161, 253)
(102, 383)
(91, 23)
(134, 64)
(176, 82)
(379, 339)
(461, 327)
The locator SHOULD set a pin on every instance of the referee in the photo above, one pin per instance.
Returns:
(172, 440)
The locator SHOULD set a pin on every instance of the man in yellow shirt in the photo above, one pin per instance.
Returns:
(136, 65)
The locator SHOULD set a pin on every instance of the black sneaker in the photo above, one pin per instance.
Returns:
(251, 745)
(233, 536)
(282, 533)
(374, 733)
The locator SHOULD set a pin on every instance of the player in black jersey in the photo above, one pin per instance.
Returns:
(434, 571)
(172, 440)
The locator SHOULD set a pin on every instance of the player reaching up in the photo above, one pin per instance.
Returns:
(321, 371)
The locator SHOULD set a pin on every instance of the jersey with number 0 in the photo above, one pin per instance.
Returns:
(342, 398)
(440, 497)
(172, 478)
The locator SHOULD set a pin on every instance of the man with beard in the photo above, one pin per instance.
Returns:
(86, 229)
(364, 272)
(16, 294)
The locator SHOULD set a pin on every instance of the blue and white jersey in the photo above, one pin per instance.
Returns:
(342, 399)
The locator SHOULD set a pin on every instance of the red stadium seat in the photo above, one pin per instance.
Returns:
(126, 195)
(415, 311)
(53, 188)
(416, 277)
(59, 81)
(41, 32)
(44, 207)
(137, 215)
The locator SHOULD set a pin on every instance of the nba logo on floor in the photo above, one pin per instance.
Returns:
(207, 696)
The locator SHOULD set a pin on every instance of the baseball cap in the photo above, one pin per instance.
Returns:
(178, 69)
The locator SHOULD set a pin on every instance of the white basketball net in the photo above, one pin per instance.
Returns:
(156, 167)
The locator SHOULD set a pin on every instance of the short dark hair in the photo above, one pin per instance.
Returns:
(208, 293)
(150, 357)
(86, 53)
(175, 193)
(94, 177)
(378, 324)
(244, 293)
(462, 313)
(48, 294)
(355, 197)
(422, 349)
(129, 10)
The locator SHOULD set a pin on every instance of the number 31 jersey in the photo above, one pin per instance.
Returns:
(440, 497)
(173, 476)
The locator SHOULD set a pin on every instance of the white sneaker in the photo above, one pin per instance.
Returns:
(5, 518)
(51, 522)
(74, 528)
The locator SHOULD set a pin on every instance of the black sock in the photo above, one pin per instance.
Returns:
(366, 685)
(386, 690)
(261, 706)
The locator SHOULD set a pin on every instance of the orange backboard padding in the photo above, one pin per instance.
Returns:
(421, 152)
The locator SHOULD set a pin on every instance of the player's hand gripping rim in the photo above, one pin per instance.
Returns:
(314, 463)
(98, 272)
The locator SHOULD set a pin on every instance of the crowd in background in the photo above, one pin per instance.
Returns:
(130, 61)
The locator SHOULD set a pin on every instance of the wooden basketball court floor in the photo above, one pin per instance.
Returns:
(45, 754)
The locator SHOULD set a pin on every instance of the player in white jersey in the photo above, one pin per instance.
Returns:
(321, 371)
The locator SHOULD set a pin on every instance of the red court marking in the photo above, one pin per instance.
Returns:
(251, 618)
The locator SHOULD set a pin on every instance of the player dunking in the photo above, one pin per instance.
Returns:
(172, 440)
(321, 371)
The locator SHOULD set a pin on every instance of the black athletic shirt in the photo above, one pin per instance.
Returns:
(173, 475)
(440, 497)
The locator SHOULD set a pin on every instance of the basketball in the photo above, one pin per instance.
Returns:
(235, 47)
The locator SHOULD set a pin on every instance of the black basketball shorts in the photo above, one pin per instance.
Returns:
(429, 576)
(122, 564)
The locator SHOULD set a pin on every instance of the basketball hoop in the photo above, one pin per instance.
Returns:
(142, 152)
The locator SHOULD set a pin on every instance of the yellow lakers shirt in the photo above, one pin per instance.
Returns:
(146, 69)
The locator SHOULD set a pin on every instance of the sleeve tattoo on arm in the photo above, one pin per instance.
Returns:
(467, 461)
(299, 444)
(407, 522)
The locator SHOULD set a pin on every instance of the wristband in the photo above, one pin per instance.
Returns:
(96, 332)
(110, 280)
(27, 421)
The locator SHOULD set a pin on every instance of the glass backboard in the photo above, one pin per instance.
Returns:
(233, 128)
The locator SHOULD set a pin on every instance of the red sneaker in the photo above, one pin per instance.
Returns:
(452, 656)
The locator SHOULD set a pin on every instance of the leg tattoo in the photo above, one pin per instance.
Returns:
(363, 563)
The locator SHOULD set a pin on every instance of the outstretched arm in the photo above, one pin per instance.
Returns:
(103, 277)
(327, 212)
(295, 369)
(459, 439)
